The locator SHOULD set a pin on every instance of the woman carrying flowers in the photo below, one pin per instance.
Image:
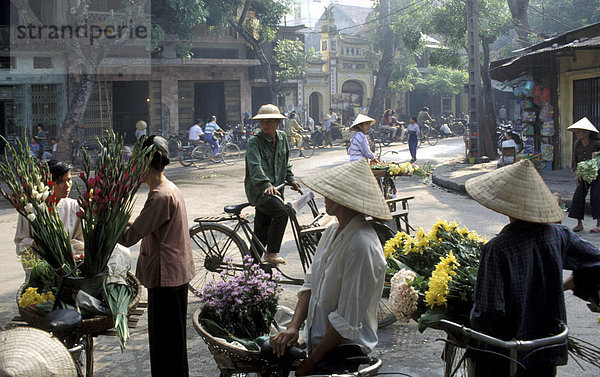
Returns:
(344, 283)
(359, 145)
(519, 288)
(583, 150)
(67, 209)
(165, 265)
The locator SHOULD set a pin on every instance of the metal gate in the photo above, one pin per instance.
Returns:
(586, 100)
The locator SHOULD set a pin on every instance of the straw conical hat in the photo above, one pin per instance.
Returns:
(583, 124)
(361, 118)
(517, 191)
(26, 351)
(268, 111)
(352, 185)
(141, 125)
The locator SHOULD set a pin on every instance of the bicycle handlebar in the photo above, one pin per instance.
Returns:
(520, 345)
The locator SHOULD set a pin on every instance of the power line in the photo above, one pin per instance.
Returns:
(549, 16)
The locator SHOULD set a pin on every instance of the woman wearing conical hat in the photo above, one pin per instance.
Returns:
(359, 145)
(583, 150)
(343, 285)
(519, 287)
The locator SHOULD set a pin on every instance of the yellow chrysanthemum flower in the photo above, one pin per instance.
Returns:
(440, 280)
(422, 239)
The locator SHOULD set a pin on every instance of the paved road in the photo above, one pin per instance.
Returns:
(401, 347)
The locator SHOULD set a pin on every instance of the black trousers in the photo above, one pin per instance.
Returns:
(270, 221)
(167, 314)
(577, 209)
(336, 361)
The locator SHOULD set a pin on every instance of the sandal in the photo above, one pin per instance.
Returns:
(274, 258)
(578, 228)
(595, 230)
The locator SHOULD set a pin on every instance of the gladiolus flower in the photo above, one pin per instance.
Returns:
(31, 217)
(80, 214)
(82, 175)
(29, 207)
(45, 195)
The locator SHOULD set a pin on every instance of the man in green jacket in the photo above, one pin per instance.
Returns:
(268, 165)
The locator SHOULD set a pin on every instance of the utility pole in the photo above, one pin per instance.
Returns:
(474, 81)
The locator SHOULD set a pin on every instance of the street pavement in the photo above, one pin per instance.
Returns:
(401, 347)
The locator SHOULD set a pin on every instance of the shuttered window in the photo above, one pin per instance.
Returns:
(586, 100)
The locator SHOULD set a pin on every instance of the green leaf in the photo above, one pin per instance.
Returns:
(431, 317)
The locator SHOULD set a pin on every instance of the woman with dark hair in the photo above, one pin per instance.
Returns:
(413, 131)
(390, 123)
(165, 265)
(67, 209)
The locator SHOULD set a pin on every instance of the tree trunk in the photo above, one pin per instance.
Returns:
(488, 130)
(518, 10)
(81, 96)
(260, 55)
(385, 65)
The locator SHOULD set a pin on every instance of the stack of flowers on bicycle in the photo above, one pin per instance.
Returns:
(241, 306)
(30, 191)
(434, 273)
(394, 169)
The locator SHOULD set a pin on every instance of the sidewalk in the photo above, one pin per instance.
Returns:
(453, 176)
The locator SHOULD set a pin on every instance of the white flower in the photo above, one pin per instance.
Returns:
(29, 207)
(31, 217)
(39, 196)
(45, 195)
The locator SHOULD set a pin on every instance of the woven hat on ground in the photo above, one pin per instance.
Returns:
(352, 185)
(360, 119)
(31, 352)
(268, 111)
(141, 125)
(517, 191)
(583, 124)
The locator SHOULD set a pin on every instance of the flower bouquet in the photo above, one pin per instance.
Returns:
(240, 307)
(404, 169)
(588, 169)
(434, 273)
(30, 191)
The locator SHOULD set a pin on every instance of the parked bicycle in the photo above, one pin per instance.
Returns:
(217, 240)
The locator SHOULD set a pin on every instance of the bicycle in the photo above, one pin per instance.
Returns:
(465, 364)
(215, 244)
(228, 152)
(306, 150)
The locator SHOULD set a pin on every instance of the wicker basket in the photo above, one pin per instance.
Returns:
(93, 325)
(230, 359)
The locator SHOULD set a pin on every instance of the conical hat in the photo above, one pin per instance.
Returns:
(268, 111)
(26, 351)
(361, 118)
(352, 185)
(517, 191)
(583, 124)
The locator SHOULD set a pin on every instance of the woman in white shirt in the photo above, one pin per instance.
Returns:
(67, 209)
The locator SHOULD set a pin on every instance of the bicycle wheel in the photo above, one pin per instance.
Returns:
(230, 154)
(213, 245)
(185, 157)
(455, 359)
(318, 139)
(308, 148)
(433, 137)
(201, 156)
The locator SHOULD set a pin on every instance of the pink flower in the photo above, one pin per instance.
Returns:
(80, 214)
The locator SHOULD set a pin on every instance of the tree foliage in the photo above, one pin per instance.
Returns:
(559, 16)
(441, 81)
(291, 59)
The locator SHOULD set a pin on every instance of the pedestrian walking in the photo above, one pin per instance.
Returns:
(519, 287)
(586, 145)
(141, 129)
(268, 165)
(359, 145)
(41, 138)
(414, 132)
(165, 265)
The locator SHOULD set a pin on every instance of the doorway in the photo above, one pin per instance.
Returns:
(2, 126)
(260, 95)
(314, 108)
(130, 104)
(209, 99)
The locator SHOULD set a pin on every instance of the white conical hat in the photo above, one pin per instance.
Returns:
(27, 351)
(268, 111)
(361, 118)
(351, 185)
(517, 191)
(583, 124)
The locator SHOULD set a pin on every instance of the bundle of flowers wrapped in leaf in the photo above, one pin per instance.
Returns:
(393, 168)
(588, 169)
(241, 305)
(30, 191)
(443, 263)
(108, 198)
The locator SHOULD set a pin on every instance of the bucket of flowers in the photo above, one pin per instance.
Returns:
(236, 316)
(106, 205)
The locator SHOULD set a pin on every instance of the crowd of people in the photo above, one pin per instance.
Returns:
(519, 288)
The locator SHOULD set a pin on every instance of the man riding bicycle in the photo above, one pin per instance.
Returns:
(210, 129)
(196, 134)
(293, 130)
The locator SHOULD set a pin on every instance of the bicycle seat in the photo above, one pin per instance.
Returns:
(235, 209)
(62, 321)
(292, 354)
